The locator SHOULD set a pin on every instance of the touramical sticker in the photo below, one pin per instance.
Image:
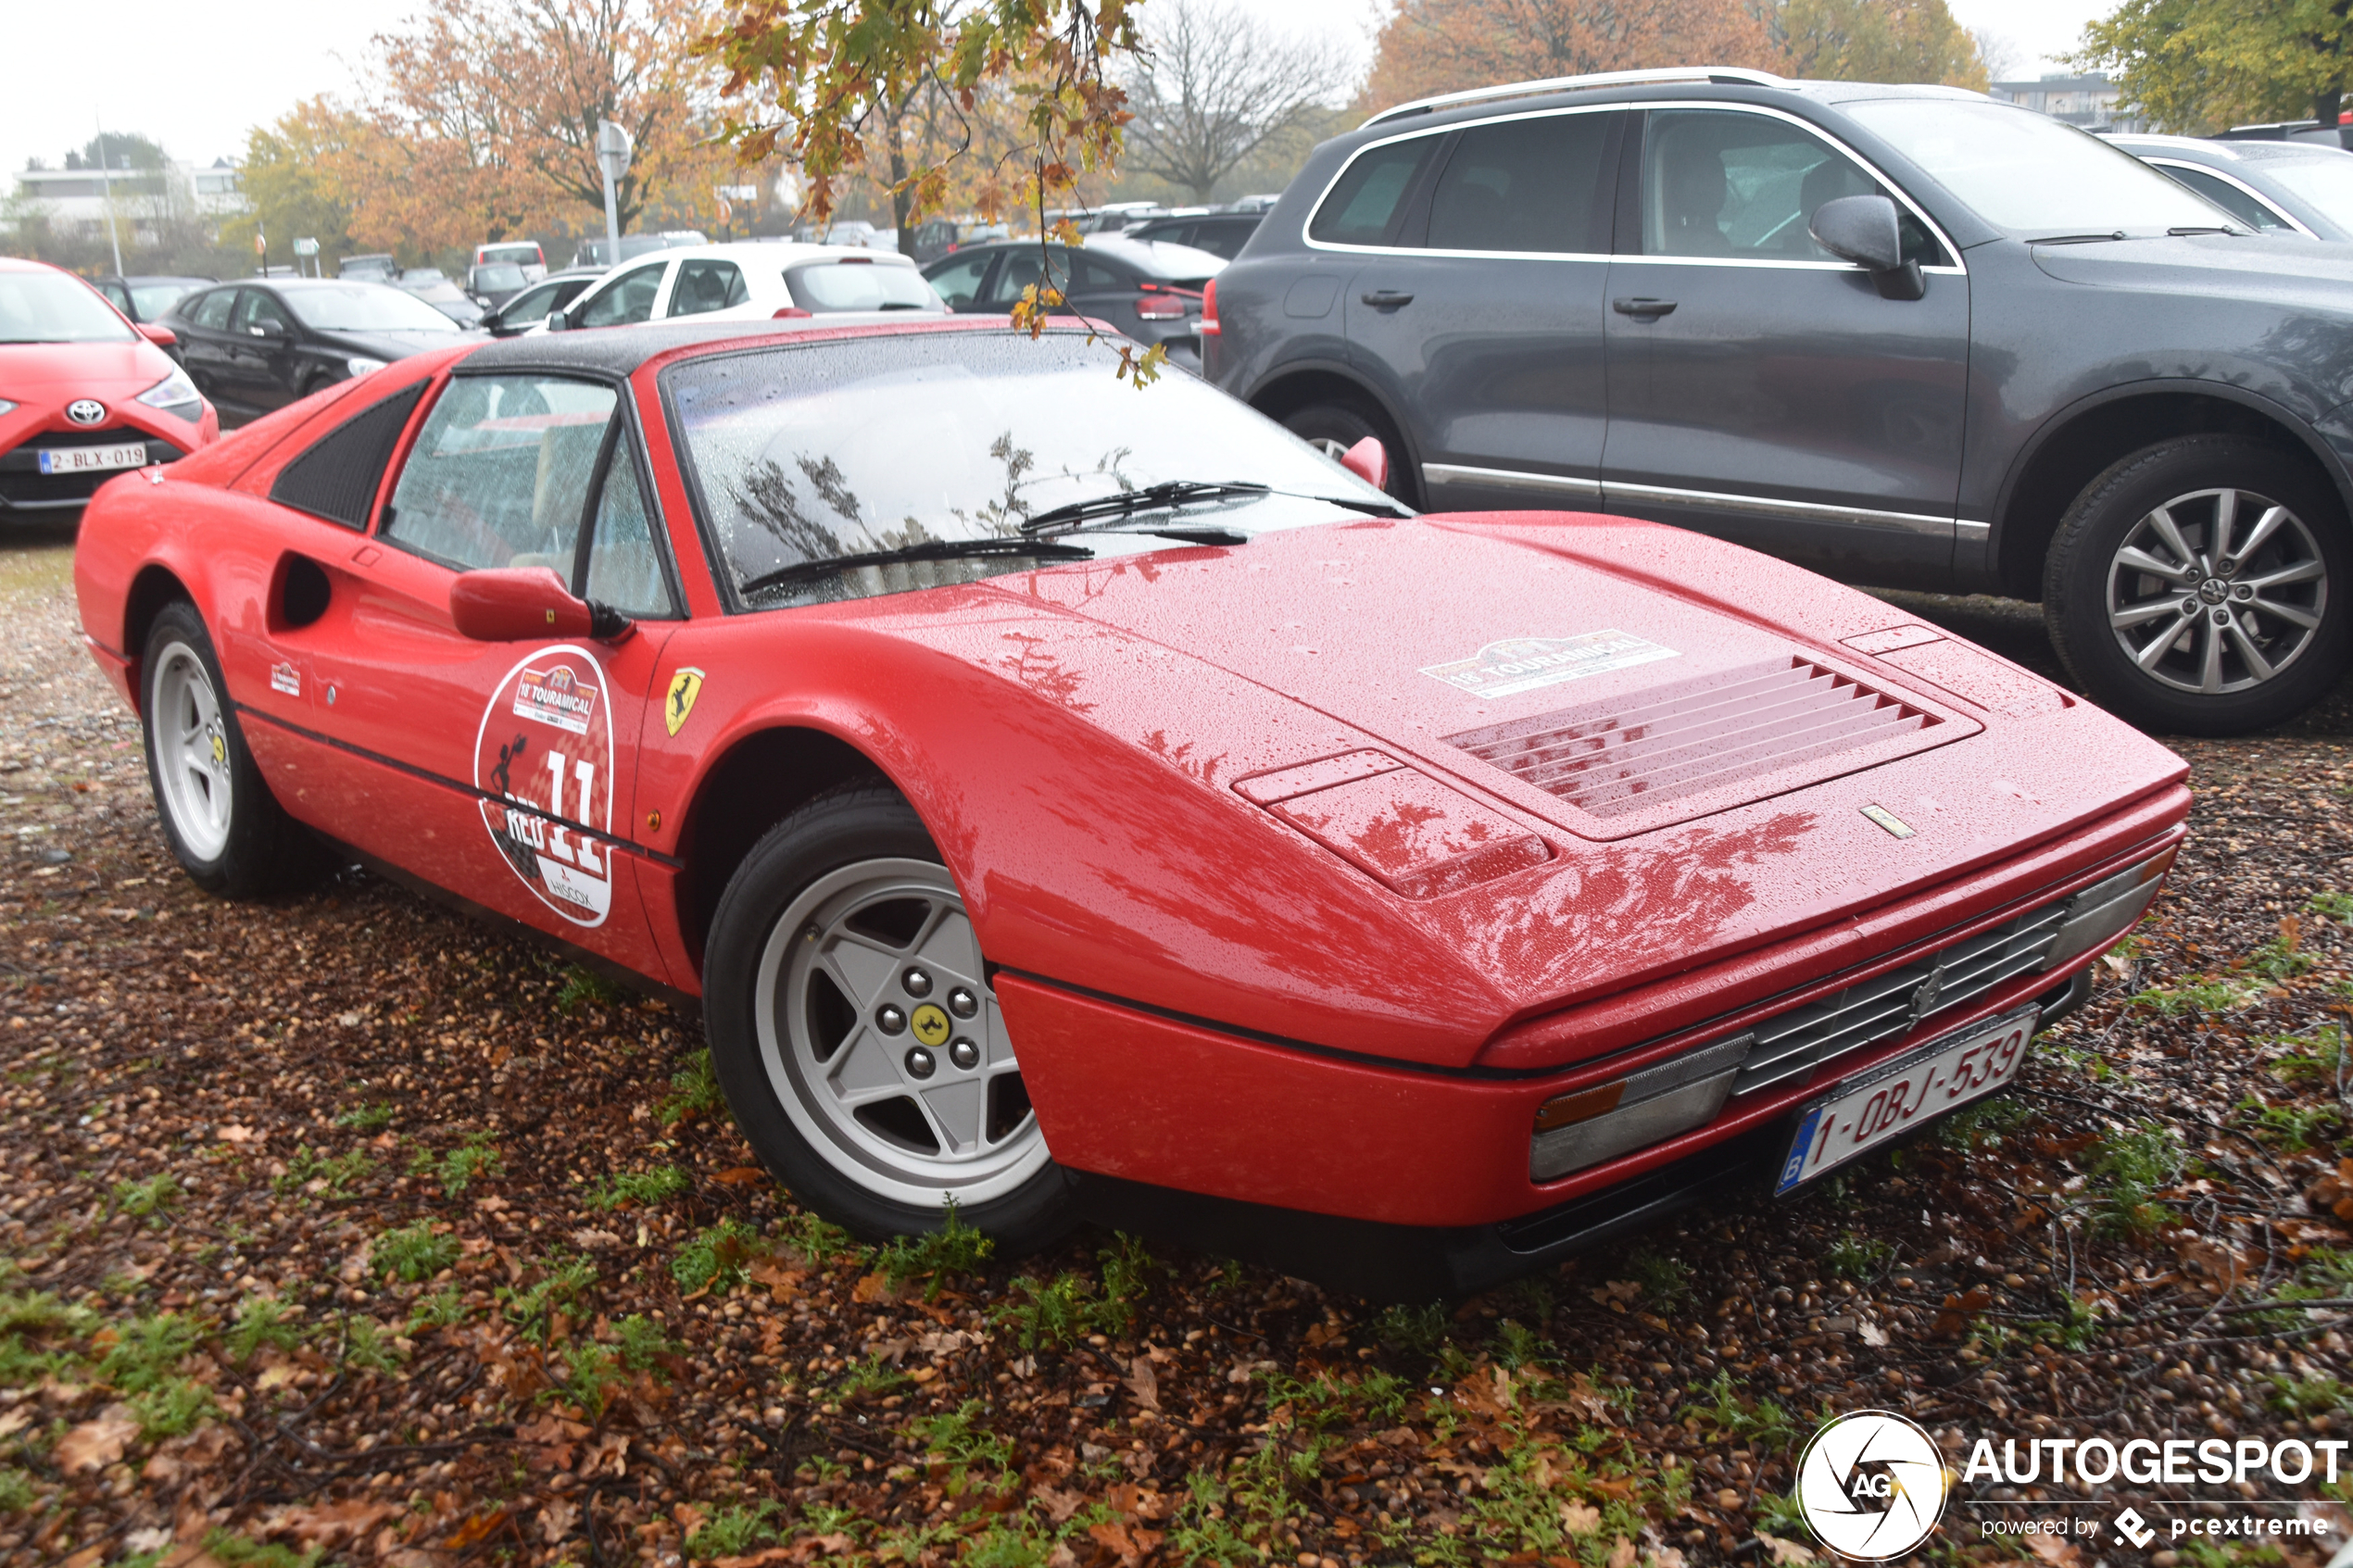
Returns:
(1525, 664)
(1871, 1485)
(543, 760)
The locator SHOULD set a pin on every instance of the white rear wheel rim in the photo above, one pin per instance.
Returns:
(191, 740)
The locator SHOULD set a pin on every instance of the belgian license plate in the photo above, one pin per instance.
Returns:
(93, 459)
(1890, 1101)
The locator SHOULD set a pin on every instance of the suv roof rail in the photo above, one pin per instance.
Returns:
(1729, 75)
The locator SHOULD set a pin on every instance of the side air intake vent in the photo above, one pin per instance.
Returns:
(337, 478)
(1650, 748)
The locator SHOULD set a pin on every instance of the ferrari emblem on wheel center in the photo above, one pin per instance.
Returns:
(930, 1024)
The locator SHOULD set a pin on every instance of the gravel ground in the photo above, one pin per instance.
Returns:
(335, 1229)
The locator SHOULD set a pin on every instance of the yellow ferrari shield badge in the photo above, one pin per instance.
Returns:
(685, 686)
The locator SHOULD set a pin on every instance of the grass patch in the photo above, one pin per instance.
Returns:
(2127, 1170)
(2330, 906)
(2293, 1128)
(314, 1172)
(1862, 1259)
(584, 987)
(644, 1188)
(563, 1279)
(263, 1320)
(1055, 1314)
(694, 1091)
(370, 1116)
(714, 1259)
(1665, 1282)
(954, 1248)
(149, 1200)
(2306, 1397)
(2203, 995)
(641, 1342)
(2323, 1060)
(414, 1253)
(458, 1168)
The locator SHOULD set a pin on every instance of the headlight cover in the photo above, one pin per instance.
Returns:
(175, 394)
(359, 365)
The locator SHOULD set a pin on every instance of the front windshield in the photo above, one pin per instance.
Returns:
(859, 285)
(499, 275)
(807, 452)
(2325, 182)
(364, 308)
(2030, 174)
(52, 308)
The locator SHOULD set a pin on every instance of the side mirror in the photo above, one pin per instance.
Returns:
(267, 329)
(1368, 461)
(1865, 230)
(162, 337)
(516, 604)
(560, 320)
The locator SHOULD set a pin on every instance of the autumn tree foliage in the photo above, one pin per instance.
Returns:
(2197, 66)
(1431, 47)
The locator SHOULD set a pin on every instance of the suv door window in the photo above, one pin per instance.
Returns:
(705, 286)
(959, 281)
(1523, 185)
(212, 310)
(1726, 183)
(498, 476)
(629, 299)
(256, 309)
(1370, 197)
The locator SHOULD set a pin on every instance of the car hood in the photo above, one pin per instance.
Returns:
(2314, 273)
(1363, 691)
(79, 369)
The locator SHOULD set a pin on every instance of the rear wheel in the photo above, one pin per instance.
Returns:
(853, 1027)
(1333, 428)
(2198, 587)
(224, 826)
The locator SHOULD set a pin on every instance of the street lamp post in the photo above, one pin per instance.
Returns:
(614, 148)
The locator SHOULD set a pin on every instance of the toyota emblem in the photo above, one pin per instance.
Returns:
(86, 411)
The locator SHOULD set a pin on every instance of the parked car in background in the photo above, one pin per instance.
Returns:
(254, 347)
(940, 236)
(1220, 234)
(2274, 187)
(531, 307)
(1149, 290)
(524, 254)
(84, 396)
(1108, 219)
(374, 267)
(435, 288)
(491, 283)
(147, 298)
(747, 281)
(591, 251)
(1452, 964)
(2310, 132)
(1905, 335)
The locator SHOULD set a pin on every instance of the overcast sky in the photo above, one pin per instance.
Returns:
(201, 76)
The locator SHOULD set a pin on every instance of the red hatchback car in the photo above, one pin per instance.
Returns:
(1065, 800)
(83, 395)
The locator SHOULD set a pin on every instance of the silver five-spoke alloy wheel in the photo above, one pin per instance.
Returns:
(2216, 591)
(884, 1043)
(192, 752)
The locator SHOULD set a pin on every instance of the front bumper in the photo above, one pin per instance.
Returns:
(28, 494)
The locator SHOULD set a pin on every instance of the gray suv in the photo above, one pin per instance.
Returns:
(1905, 335)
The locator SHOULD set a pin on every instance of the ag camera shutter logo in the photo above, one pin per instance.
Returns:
(1871, 1485)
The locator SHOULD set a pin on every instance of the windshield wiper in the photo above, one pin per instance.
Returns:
(2205, 229)
(1170, 493)
(2076, 239)
(930, 549)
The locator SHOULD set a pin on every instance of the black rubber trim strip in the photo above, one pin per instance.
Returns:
(397, 766)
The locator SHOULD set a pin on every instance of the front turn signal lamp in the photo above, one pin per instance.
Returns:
(1589, 1126)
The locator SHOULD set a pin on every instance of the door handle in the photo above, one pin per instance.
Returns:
(1643, 306)
(1387, 299)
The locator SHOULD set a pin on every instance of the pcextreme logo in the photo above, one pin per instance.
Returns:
(1871, 1485)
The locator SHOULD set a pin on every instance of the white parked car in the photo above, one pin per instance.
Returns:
(750, 280)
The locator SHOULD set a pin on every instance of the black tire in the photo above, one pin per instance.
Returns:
(2246, 645)
(775, 905)
(250, 848)
(1337, 426)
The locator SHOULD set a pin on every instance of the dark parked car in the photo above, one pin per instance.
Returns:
(434, 287)
(2273, 187)
(374, 267)
(491, 283)
(148, 299)
(252, 347)
(542, 299)
(1220, 234)
(1905, 335)
(1150, 290)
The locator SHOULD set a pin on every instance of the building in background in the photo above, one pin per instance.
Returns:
(2088, 100)
(144, 199)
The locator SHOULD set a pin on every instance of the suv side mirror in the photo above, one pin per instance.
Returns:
(516, 604)
(1865, 230)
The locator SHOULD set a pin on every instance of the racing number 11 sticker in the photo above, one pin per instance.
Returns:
(543, 760)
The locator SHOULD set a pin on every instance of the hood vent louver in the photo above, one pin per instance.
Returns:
(1648, 747)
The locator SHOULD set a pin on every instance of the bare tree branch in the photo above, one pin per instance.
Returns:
(1216, 84)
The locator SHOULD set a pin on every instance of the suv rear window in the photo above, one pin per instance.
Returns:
(1361, 207)
(1525, 185)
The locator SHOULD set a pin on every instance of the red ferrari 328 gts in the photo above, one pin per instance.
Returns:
(1066, 800)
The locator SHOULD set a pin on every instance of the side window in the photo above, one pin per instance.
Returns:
(212, 310)
(499, 473)
(959, 283)
(628, 299)
(1360, 208)
(532, 304)
(1018, 272)
(2227, 196)
(256, 311)
(1721, 182)
(117, 296)
(1090, 276)
(1524, 184)
(624, 560)
(337, 478)
(705, 286)
(1222, 239)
